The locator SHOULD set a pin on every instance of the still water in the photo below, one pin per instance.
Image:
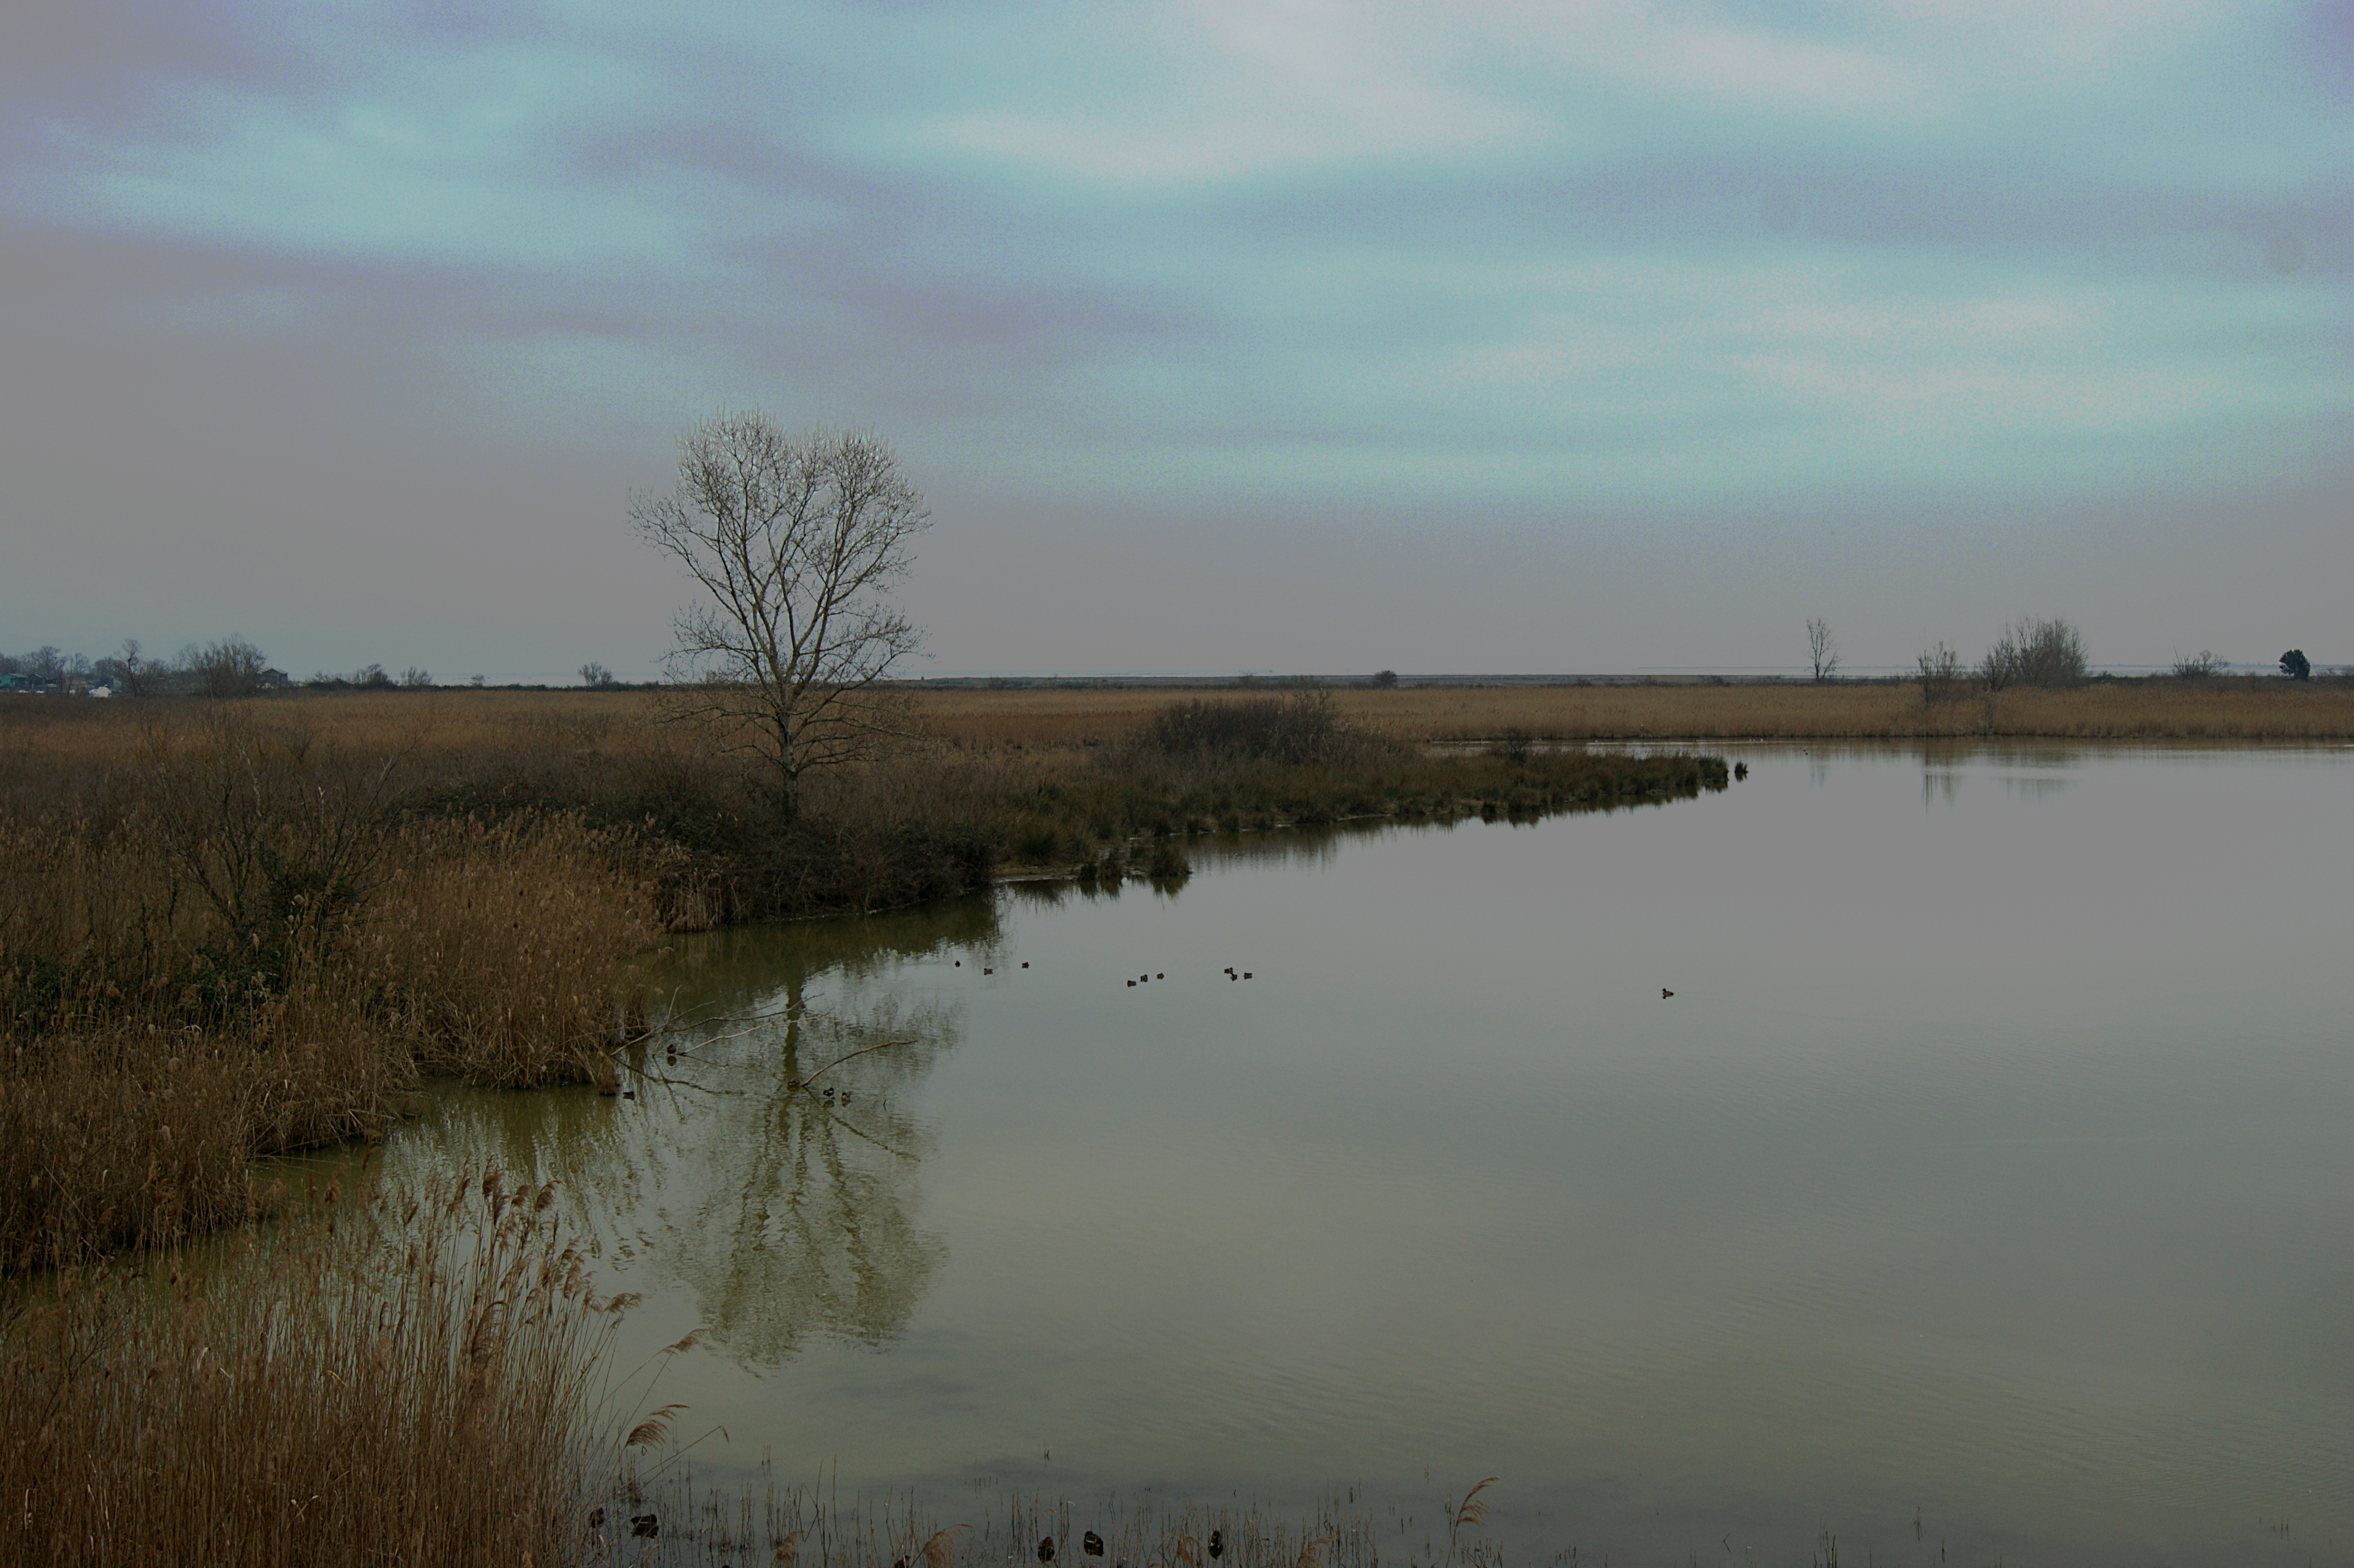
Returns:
(1992, 1167)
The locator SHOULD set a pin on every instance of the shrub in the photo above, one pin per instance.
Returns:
(1941, 674)
(2296, 665)
(1304, 729)
(2034, 652)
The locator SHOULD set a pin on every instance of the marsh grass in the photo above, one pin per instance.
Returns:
(409, 1379)
(224, 938)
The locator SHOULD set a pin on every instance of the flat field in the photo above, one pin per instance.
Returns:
(467, 728)
(2233, 709)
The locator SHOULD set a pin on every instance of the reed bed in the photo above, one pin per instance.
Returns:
(225, 937)
(412, 1379)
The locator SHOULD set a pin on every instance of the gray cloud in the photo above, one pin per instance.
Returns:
(356, 325)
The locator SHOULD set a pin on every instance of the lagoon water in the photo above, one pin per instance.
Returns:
(1992, 1167)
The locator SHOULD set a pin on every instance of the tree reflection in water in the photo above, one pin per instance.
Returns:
(782, 1214)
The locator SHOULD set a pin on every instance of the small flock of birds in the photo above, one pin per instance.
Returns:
(1093, 1546)
(1230, 974)
(1143, 979)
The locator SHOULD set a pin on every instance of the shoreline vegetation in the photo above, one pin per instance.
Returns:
(231, 928)
(236, 928)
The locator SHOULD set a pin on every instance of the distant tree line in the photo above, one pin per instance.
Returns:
(232, 667)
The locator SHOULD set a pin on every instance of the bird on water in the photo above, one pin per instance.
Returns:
(1091, 1543)
(1046, 1548)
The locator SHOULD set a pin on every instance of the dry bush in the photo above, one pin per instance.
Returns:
(1303, 728)
(419, 1388)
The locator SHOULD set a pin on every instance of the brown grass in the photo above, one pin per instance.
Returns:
(219, 937)
(2213, 709)
(419, 1388)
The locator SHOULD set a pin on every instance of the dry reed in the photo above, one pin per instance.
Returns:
(419, 1388)
(221, 939)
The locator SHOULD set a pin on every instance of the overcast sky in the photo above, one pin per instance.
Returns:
(1221, 336)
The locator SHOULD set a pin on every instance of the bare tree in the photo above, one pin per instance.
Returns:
(798, 540)
(1941, 673)
(229, 668)
(135, 676)
(1823, 646)
(593, 674)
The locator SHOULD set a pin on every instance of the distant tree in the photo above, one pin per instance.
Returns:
(475, 681)
(592, 673)
(371, 677)
(2197, 666)
(1941, 674)
(797, 541)
(1387, 680)
(229, 668)
(1822, 647)
(2296, 665)
(415, 679)
(2034, 652)
(130, 673)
